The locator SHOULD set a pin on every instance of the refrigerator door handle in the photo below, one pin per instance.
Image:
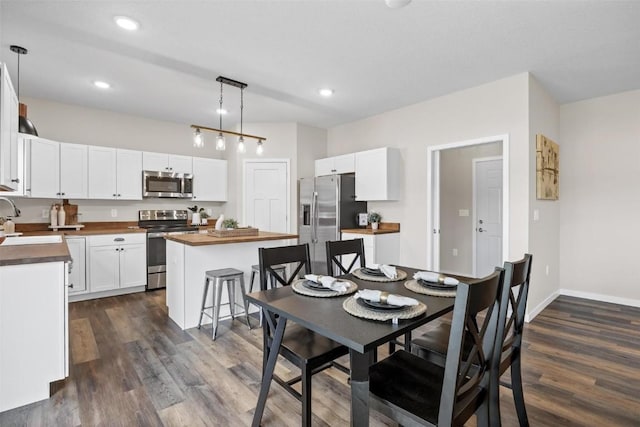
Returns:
(314, 216)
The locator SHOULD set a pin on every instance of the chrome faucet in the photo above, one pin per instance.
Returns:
(16, 211)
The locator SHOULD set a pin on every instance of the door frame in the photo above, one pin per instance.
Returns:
(474, 217)
(287, 162)
(433, 195)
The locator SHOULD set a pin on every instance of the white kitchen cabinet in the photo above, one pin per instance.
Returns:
(209, 180)
(378, 174)
(115, 173)
(117, 261)
(166, 162)
(335, 165)
(22, 180)
(77, 268)
(378, 248)
(57, 170)
(33, 331)
(9, 177)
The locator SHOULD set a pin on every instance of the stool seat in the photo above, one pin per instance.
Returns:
(219, 278)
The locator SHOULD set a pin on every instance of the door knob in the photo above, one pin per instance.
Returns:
(480, 230)
(481, 222)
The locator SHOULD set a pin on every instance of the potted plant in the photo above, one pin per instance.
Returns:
(229, 224)
(374, 220)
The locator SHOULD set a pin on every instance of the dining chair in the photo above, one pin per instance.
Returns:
(412, 390)
(310, 352)
(433, 344)
(336, 249)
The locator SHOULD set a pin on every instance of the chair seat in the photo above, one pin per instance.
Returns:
(223, 273)
(299, 343)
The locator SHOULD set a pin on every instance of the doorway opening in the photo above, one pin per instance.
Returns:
(457, 243)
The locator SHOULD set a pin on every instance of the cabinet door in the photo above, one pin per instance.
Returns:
(129, 174)
(325, 166)
(209, 180)
(378, 174)
(77, 278)
(180, 164)
(155, 161)
(73, 171)
(345, 163)
(133, 265)
(104, 268)
(102, 173)
(45, 168)
(8, 131)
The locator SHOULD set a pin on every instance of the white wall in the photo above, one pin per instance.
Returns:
(544, 234)
(312, 145)
(600, 197)
(492, 109)
(456, 192)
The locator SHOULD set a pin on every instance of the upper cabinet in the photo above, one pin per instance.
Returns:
(57, 170)
(209, 180)
(115, 173)
(335, 165)
(166, 162)
(378, 174)
(9, 149)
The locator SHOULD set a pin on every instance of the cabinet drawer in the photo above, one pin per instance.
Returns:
(116, 239)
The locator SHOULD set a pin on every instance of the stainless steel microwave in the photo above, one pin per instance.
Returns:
(167, 184)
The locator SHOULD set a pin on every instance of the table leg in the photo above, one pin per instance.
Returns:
(360, 363)
(267, 375)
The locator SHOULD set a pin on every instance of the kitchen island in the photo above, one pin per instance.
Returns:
(189, 256)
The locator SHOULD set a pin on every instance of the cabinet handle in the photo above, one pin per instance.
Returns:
(63, 193)
(119, 194)
(119, 239)
(333, 170)
(114, 194)
(17, 180)
(71, 286)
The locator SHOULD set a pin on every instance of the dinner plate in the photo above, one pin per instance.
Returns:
(436, 285)
(372, 271)
(315, 286)
(379, 306)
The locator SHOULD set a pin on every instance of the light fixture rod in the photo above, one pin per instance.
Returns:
(228, 132)
(231, 82)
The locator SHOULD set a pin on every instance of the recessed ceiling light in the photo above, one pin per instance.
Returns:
(221, 111)
(326, 92)
(126, 23)
(396, 4)
(101, 84)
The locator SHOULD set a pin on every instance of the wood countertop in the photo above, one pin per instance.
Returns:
(33, 254)
(207, 239)
(385, 228)
(90, 228)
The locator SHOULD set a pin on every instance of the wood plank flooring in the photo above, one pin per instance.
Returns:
(130, 365)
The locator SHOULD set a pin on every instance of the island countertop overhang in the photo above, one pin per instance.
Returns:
(207, 239)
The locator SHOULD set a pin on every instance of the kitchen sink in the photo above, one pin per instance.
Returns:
(32, 240)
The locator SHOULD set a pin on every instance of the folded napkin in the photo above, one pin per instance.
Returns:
(430, 276)
(327, 282)
(388, 270)
(392, 299)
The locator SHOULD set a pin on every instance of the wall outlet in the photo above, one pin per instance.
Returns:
(536, 215)
(46, 213)
(114, 213)
(454, 252)
(210, 212)
(463, 212)
(546, 270)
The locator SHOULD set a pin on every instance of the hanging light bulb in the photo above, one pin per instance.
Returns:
(221, 145)
(241, 147)
(259, 148)
(198, 139)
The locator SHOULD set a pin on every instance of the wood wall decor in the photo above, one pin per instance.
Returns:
(547, 168)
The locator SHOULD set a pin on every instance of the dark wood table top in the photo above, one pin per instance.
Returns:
(327, 317)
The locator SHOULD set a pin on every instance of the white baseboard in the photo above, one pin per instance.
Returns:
(600, 297)
(528, 317)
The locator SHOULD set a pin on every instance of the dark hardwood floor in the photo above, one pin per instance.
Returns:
(130, 365)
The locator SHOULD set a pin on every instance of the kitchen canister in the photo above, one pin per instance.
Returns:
(53, 216)
(62, 216)
(9, 226)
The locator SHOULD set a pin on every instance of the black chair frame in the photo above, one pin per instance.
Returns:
(338, 248)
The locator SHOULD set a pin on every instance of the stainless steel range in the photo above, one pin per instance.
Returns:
(160, 223)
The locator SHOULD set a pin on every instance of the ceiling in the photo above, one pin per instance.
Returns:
(375, 58)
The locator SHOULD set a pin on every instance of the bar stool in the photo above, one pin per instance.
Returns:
(220, 277)
(281, 269)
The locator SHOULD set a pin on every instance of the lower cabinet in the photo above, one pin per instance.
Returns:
(378, 248)
(77, 268)
(116, 261)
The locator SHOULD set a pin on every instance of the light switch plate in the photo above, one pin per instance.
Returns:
(536, 215)
(463, 212)
(114, 213)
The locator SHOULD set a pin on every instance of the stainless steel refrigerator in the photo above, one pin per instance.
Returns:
(327, 204)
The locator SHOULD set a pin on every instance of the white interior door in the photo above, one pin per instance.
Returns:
(266, 190)
(487, 194)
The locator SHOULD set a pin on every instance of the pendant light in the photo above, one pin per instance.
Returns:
(24, 124)
(198, 139)
(241, 148)
(220, 142)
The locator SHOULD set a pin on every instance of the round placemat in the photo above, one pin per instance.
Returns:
(299, 288)
(384, 279)
(416, 287)
(351, 306)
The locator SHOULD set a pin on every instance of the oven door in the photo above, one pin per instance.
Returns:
(156, 260)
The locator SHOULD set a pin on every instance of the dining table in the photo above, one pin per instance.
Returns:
(327, 317)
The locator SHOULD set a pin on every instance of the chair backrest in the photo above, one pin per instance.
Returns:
(466, 380)
(344, 247)
(298, 255)
(511, 322)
